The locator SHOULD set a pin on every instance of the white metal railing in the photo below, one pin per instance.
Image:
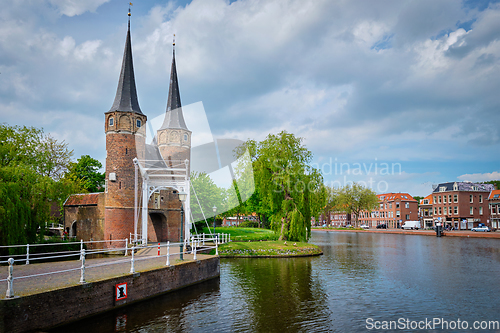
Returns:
(219, 238)
(196, 246)
(26, 257)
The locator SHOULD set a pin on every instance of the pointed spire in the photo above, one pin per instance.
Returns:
(126, 94)
(173, 116)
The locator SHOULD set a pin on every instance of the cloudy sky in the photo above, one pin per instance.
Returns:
(371, 86)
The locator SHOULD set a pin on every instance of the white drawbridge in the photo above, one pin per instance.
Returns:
(157, 175)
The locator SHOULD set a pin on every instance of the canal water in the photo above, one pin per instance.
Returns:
(363, 280)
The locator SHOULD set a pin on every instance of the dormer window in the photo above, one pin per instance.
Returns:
(111, 121)
(138, 123)
(442, 189)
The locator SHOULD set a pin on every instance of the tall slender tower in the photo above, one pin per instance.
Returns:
(125, 127)
(174, 138)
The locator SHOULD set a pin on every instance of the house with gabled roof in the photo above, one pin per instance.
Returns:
(494, 207)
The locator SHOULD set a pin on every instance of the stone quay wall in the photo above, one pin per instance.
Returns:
(49, 309)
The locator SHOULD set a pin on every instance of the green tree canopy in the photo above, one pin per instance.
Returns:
(31, 169)
(352, 199)
(85, 172)
(290, 190)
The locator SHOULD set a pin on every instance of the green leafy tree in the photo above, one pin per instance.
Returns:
(205, 194)
(353, 199)
(31, 167)
(85, 172)
(290, 190)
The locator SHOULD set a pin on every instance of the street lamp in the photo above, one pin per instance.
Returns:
(214, 209)
(182, 198)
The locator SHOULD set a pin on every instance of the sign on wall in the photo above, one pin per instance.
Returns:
(121, 291)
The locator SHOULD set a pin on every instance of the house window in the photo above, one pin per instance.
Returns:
(407, 205)
(480, 198)
(471, 197)
(440, 211)
(449, 198)
(397, 204)
(435, 210)
(435, 200)
(442, 189)
(439, 199)
(390, 205)
(397, 213)
(471, 210)
(455, 198)
(444, 210)
(444, 199)
(455, 210)
(111, 121)
(407, 216)
(455, 187)
(426, 201)
(480, 210)
(138, 123)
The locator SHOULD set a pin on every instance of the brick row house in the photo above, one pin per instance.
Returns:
(394, 209)
(425, 212)
(460, 205)
(494, 205)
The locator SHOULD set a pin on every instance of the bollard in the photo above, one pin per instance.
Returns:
(81, 248)
(158, 249)
(27, 254)
(194, 250)
(168, 253)
(10, 289)
(126, 246)
(216, 249)
(132, 268)
(82, 270)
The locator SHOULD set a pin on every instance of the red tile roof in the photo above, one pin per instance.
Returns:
(429, 197)
(493, 193)
(395, 196)
(86, 199)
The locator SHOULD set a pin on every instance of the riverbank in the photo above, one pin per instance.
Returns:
(454, 233)
(268, 249)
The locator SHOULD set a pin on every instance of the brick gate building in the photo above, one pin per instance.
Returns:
(111, 215)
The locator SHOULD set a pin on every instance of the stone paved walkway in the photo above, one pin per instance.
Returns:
(95, 270)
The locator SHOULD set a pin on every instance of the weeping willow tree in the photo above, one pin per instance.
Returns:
(32, 168)
(291, 190)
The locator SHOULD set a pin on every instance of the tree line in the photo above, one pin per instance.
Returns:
(285, 191)
(36, 171)
(276, 183)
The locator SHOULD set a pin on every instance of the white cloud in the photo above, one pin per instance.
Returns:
(480, 177)
(76, 7)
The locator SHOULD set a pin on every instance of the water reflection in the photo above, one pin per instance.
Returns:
(360, 275)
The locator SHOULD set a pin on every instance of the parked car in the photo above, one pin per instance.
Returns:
(482, 228)
(348, 226)
(364, 226)
(382, 226)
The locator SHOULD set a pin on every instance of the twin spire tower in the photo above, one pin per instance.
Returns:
(125, 128)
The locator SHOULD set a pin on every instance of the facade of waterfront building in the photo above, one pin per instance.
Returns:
(394, 209)
(494, 207)
(461, 205)
(425, 212)
(111, 215)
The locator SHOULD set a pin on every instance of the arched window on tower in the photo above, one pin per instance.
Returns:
(138, 123)
(111, 121)
(185, 137)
